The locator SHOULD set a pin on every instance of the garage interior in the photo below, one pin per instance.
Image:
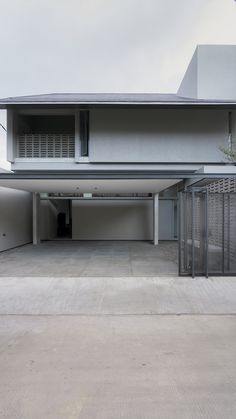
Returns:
(98, 228)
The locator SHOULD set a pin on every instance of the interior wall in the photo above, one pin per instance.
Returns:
(48, 220)
(112, 220)
(120, 220)
(15, 218)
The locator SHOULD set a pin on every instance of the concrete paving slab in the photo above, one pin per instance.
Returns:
(122, 295)
(90, 258)
(105, 346)
(118, 367)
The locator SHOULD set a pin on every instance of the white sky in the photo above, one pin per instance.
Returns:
(104, 45)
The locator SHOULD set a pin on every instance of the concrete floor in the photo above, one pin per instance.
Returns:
(91, 258)
(105, 347)
(99, 296)
(118, 367)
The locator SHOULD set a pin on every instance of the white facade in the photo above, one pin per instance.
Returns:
(211, 74)
(180, 136)
(15, 218)
(99, 135)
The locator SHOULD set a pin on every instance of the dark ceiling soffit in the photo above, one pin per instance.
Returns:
(114, 175)
(125, 105)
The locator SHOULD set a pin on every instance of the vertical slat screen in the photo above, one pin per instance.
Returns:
(46, 146)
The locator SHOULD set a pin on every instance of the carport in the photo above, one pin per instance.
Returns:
(115, 228)
(123, 209)
(117, 221)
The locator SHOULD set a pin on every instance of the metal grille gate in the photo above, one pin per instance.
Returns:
(207, 233)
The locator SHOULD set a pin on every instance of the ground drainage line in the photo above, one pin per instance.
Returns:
(116, 314)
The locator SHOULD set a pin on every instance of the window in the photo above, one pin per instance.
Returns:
(84, 133)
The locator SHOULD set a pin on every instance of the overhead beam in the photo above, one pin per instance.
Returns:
(110, 174)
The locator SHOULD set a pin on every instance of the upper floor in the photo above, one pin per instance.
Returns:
(80, 131)
(64, 138)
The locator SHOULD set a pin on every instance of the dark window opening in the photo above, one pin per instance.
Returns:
(46, 124)
(84, 133)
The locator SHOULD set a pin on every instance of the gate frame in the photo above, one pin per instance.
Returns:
(181, 228)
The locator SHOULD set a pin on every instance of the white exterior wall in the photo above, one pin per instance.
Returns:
(211, 73)
(120, 220)
(160, 136)
(216, 72)
(147, 136)
(15, 218)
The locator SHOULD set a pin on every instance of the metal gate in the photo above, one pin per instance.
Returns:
(207, 233)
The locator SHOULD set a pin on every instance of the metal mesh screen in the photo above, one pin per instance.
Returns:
(207, 233)
(46, 146)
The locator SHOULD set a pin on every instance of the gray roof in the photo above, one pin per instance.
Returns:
(107, 99)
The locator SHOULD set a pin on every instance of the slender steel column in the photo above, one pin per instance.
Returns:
(193, 235)
(223, 233)
(228, 238)
(206, 233)
(180, 209)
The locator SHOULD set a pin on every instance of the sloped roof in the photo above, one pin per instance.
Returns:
(105, 99)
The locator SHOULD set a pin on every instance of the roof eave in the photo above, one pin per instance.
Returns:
(6, 105)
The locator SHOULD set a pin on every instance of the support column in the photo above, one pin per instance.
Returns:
(36, 218)
(155, 218)
(77, 135)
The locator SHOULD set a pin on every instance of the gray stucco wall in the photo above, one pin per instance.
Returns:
(112, 219)
(211, 73)
(185, 137)
(15, 218)
(161, 136)
(189, 84)
(48, 220)
(216, 72)
(120, 219)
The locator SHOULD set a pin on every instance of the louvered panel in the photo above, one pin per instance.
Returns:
(223, 185)
(41, 146)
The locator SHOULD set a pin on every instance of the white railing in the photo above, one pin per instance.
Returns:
(48, 146)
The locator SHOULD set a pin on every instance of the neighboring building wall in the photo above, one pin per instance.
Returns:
(211, 73)
(121, 219)
(48, 220)
(189, 84)
(15, 218)
(161, 136)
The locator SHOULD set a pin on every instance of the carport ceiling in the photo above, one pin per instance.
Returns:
(88, 185)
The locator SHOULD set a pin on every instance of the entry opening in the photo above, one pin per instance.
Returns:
(64, 219)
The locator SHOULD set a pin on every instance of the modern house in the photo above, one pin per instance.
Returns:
(111, 166)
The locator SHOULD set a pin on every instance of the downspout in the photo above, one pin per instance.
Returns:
(230, 143)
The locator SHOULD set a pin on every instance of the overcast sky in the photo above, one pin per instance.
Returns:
(105, 45)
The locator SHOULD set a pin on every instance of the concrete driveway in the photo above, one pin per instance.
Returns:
(91, 258)
(125, 347)
(118, 367)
